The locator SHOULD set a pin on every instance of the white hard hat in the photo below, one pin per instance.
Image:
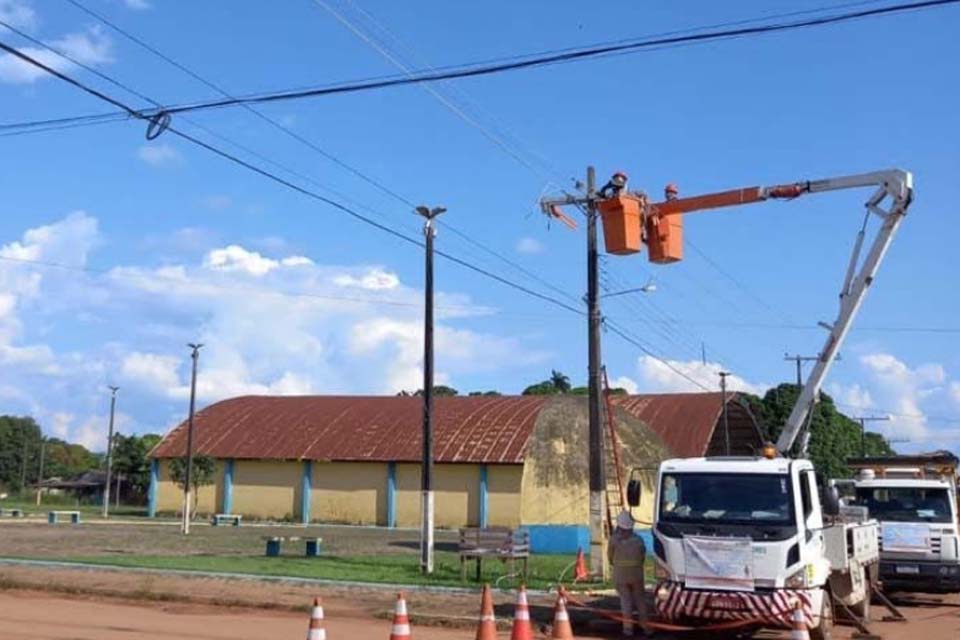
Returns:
(625, 521)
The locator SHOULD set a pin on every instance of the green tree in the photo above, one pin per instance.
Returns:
(834, 437)
(559, 381)
(556, 383)
(130, 460)
(20, 438)
(484, 393)
(66, 460)
(204, 470)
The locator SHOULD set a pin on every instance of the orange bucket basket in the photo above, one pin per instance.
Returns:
(621, 225)
(665, 238)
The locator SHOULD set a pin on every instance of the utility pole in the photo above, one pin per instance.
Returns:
(598, 564)
(23, 463)
(426, 463)
(43, 451)
(726, 424)
(800, 360)
(588, 203)
(106, 484)
(863, 420)
(188, 479)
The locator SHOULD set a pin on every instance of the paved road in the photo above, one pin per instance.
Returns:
(28, 615)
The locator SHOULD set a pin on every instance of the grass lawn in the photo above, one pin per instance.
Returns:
(400, 569)
(60, 503)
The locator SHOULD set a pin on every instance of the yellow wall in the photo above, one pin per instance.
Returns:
(456, 495)
(267, 488)
(349, 492)
(552, 502)
(408, 495)
(170, 496)
(503, 495)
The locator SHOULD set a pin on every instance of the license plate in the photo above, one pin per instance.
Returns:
(909, 569)
(725, 602)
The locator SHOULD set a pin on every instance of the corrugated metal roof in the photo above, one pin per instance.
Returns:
(478, 429)
(684, 421)
(490, 429)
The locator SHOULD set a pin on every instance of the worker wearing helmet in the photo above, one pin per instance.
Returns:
(626, 552)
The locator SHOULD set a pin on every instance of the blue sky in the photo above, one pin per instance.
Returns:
(179, 245)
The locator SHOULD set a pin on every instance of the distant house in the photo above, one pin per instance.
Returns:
(499, 460)
(87, 487)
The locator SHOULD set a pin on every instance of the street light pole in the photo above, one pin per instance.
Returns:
(43, 451)
(426, 463)
(188, 479)
(106, 484)
(726, 424)
(863, 420)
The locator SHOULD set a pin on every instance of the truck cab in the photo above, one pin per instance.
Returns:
(916, 506)
(746, 538)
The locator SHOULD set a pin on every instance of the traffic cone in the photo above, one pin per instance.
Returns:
(799, 630)
(521, 629)
(401, 622)
(561, 620)
(580, 567)
(487, 628)
(316, 630)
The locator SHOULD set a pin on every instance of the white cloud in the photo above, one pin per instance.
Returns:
(955, 391)
(376, 279)
(296, 261)
(530, 246)
(903, 389)
(137, 5)
(91, 47)
(159, 154)
(18, 14)
(623, 382)
(669, 376)
(154, 371)
(60, 424)
(853, 397)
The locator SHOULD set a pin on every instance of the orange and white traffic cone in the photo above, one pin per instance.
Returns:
(487, 627)
(521, 630)
(561, 619)
(799, 630)
(580, 567)
(401, 621)
(316, 630)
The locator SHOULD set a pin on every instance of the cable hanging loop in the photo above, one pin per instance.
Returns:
(159, 123)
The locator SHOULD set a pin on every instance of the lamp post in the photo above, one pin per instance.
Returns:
(106, 484)
(188, 474)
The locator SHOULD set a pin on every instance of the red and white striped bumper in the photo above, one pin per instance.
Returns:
(770, 608)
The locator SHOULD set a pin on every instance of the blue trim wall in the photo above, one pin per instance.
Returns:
(227, 506)
(392, 494)
(306, 487)
(484, 497)
(152, 492)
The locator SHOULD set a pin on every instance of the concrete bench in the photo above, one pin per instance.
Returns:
(274, 544)
(225, 518)
(508, 545)
(53, 517)
(13, 513)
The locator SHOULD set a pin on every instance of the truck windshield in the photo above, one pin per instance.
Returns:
(726, 498)
(906, 504)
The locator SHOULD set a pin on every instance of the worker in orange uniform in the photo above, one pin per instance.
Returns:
(626, 553)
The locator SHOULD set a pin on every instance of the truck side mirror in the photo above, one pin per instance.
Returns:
(634, 491)
(831, 501)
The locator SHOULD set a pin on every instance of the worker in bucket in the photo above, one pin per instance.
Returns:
(626, 553)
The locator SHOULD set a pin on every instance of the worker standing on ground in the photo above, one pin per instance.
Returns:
(626, 553)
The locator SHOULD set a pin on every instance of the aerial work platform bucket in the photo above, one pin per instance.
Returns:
(621, 225)
(665, 238)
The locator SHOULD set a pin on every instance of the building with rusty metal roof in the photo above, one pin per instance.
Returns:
(499, 460)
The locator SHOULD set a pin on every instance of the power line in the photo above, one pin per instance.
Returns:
(472, 71)
(626, 335)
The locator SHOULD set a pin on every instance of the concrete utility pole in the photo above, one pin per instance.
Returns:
(863, 420)
(106, 484)
(726, 424)
(588, 202)
(800, 360)
(426, 463)
(188, 474)
(43, 451)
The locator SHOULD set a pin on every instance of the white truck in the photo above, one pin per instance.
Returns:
(915, 500)
(749, 538)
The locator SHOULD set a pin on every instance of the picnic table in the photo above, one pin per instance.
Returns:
(503, 543)
(13, 513)
(274, 544)
(222, 518)
(53, 517)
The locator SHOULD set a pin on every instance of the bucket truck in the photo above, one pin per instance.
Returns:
(751, 538)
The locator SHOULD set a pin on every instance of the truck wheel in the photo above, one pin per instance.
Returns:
(824, 630)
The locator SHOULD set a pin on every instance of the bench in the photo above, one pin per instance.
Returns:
(505, 544)
(13, 513)
(53, 517)
(222, 518)
(274, 543)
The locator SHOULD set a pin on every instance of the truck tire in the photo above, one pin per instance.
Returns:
(824, 630)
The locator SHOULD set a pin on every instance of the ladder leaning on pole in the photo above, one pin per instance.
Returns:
(616, 498)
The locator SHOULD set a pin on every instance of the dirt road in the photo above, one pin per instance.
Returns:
(28, 615)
